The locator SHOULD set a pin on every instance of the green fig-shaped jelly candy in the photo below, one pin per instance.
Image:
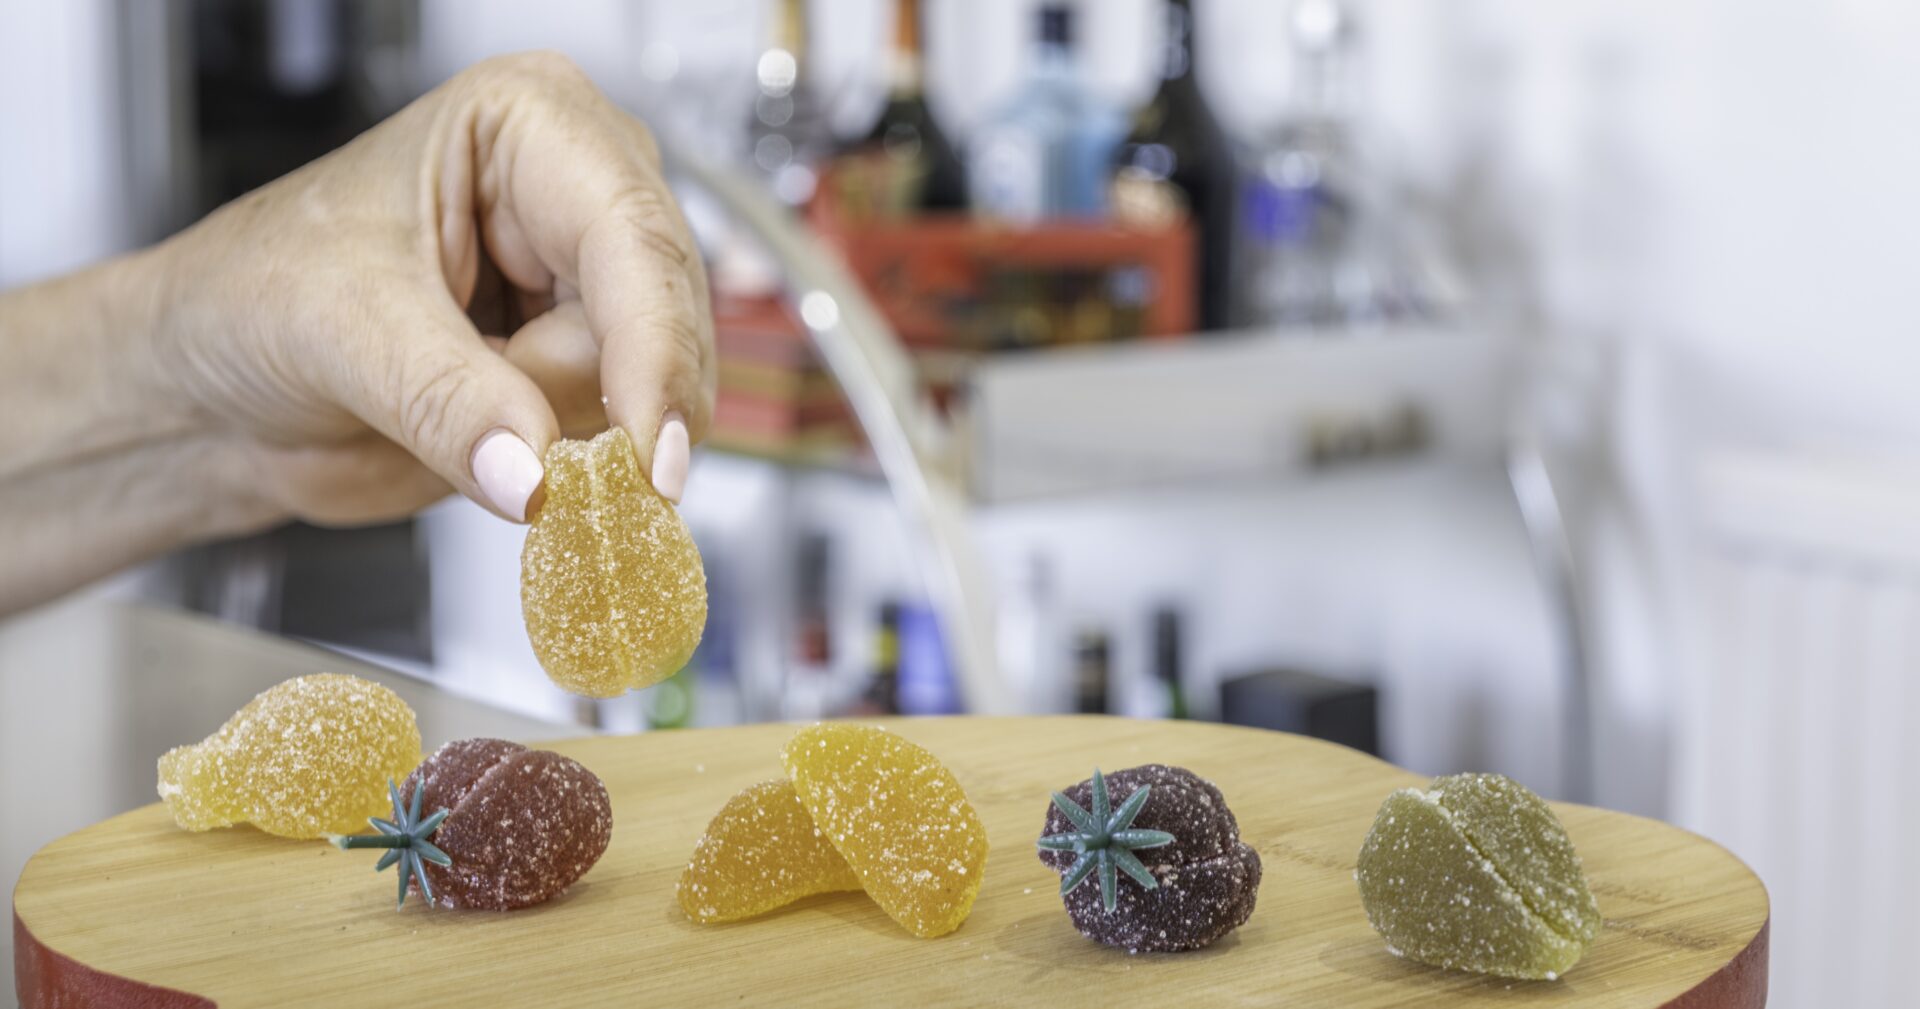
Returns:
(1475, 873)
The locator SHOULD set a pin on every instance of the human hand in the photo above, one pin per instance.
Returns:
(498, 264)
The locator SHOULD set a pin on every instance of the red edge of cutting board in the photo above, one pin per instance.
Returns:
(44, 978)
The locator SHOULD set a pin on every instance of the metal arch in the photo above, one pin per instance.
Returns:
(876, 376)
(1544, 520)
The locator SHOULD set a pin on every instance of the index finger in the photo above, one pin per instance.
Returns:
(576, 195)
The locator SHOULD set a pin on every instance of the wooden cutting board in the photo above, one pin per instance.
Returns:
(136, 911)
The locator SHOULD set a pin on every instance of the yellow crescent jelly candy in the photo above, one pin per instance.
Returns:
(762, 851)
(309, 757)
(898, 817)
(611, 584)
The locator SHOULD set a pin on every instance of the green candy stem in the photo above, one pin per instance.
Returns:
(406, 838)
(1103, 841)
(350, 841)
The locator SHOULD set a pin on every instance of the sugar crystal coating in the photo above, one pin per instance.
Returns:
(523, 824)
(307, 757)
(1527, 845)
(898, 817)
(1476, 873)
(611, 584)
(1207, 878)
(762, 851)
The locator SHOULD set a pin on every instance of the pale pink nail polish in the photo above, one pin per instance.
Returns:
(672, 452)
(507, 471)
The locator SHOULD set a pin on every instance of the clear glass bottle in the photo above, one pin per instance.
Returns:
(1047, 151)
(788, 134)
(1315, 247)
(1031, 651)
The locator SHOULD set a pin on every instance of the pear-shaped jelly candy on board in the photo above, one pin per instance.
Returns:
(309, 757)
(1475, 873)
(762, 851)
(611, 584)
(898, 817)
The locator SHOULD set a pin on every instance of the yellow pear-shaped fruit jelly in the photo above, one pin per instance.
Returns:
(762, 851)
(611, 585)
(898, 817)
(308, 757)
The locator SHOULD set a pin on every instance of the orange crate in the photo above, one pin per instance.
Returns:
(931, 275)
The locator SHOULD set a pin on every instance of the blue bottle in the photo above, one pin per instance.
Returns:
(1047, 152)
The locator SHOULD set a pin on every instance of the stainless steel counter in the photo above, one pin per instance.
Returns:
(92, 693)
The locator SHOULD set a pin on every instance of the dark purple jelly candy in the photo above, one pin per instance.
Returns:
(524, 824)
(1206, 877)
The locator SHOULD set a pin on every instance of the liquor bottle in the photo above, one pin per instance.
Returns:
(1047, 152)
(1166, 662)
(883, 688)
(808, 683)
(1175, 164)
(921, 170)
(927, 683)
(788, 134)
(1295, 202)
(1092, 671)
(813, 635)
(669, 703)
(1317, 247)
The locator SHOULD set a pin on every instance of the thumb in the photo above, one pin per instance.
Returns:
(435, 387)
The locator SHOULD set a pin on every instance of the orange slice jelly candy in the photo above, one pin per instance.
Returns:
(762, 851)
(898, 817)
(611, 585)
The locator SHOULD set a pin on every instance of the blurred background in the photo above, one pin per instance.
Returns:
(1489, 385)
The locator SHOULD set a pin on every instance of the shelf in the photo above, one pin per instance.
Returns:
(1217, 411)
(1229, 408)
(838, 458)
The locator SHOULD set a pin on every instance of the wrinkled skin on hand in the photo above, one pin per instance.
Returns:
(502, 253)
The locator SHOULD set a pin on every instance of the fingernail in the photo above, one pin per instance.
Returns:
(671, 453)
(507, 471)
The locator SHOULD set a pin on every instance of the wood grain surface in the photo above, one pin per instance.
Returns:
(137, 911)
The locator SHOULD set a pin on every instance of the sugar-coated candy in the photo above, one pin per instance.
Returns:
(308, 757)
(522, 825)
(1206, 878)
(762, 851)
(898, 817)
(611, 584)
(1475, 873)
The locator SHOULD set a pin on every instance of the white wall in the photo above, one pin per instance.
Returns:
(1710, 208)
(62, 195)
(1704, 211)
